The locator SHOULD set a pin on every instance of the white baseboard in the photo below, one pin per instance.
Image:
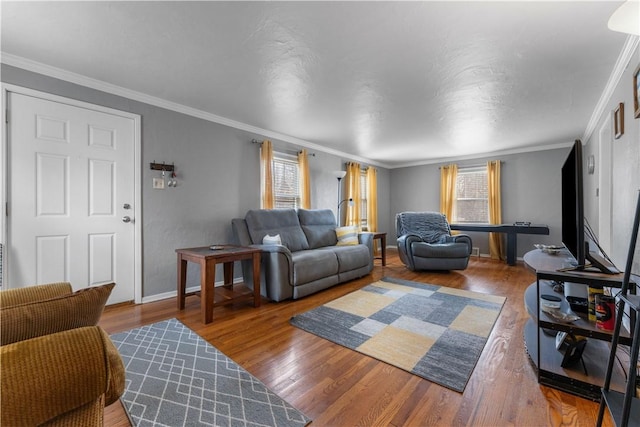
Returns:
(174, 294)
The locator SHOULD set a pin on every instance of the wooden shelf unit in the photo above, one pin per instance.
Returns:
(539, 335)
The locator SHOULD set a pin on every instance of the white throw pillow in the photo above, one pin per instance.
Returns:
(271, 240)
(347, 235)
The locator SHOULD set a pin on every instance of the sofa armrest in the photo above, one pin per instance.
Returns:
(461, 238)
(366, 238)
(276, 249)
(404, 249)
(277, 267)
(51, 375)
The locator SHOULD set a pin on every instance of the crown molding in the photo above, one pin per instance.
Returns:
(68, 76)
(489, 154)
(630, 45)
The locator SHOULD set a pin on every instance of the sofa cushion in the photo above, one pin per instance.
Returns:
(444, 250)
(352, 257)
(61, 313)
(318, 225)
(347, 235)
(313, 265)
(284, 222)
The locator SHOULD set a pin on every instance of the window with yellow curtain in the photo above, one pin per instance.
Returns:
(471, 194)
(284, 179)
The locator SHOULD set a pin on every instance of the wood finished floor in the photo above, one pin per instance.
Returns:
(336, 386)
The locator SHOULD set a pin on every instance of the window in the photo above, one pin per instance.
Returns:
(286, 186)
(472, 195)
(363, 199)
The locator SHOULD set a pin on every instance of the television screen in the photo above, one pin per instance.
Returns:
(573, 204)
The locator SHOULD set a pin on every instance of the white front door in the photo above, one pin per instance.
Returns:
(71, 194)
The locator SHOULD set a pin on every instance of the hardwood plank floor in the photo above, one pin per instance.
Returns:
(336, 386)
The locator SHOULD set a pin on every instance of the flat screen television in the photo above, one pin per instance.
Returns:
(573, 205)
(573, 224)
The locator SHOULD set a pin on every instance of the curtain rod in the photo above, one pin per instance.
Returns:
(471, 166)
(255, 141)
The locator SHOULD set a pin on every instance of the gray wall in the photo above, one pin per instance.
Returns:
(626, 170)
(530, 192)
(218, 178)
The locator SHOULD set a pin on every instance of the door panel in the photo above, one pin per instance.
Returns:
(52, 259)
(52, 185)
(71, 171)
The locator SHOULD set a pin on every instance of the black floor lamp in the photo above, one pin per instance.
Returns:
(339, 175)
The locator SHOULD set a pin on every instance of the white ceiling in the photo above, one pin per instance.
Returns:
(394, 83)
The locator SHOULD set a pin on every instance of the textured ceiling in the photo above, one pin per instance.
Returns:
(396, 83)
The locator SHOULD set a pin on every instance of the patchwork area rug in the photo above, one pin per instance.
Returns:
(175, 378)
(435, 332)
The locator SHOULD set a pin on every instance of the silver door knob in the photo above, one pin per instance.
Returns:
(126, 219)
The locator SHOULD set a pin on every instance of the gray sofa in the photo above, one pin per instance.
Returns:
(309, 259)
(425, 242)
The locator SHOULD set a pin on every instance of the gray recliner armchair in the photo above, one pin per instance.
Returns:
(425, 242)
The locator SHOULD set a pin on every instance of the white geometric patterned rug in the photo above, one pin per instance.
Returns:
(176, 378)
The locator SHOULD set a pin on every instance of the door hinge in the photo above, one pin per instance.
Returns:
(6, 209)
(6, 115)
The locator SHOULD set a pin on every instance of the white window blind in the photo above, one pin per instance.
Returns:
(286, 183)
(363, 200)
(472, 195)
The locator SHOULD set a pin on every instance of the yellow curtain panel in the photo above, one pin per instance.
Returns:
(496, 247)
(305, 185)
(372, 203)
(266, 168)
(372, 199)
(353, 192)
(448, 176)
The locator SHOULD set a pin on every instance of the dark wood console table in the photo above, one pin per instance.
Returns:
(511, 230)
(541, 328)
(210, 295)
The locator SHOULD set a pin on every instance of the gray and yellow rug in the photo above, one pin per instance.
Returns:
(175, 378)
(435, 332)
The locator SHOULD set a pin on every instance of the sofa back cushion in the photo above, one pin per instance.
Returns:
(284, 222)
(318, 225)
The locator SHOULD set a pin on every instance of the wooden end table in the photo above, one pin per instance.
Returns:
(212, 296)
(383, 246)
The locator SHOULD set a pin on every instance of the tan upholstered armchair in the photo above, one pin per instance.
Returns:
(56, 366)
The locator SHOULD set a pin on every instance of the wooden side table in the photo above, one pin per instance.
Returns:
(383, 246)
(212, 296)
